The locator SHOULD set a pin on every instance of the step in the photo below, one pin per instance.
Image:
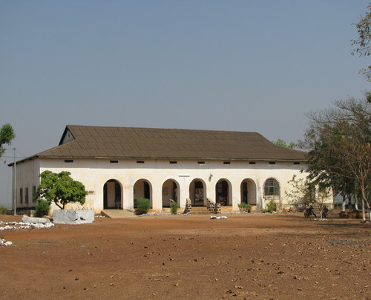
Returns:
(201, 210)
(117, 213)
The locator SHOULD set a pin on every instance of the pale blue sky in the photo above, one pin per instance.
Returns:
(225, 65)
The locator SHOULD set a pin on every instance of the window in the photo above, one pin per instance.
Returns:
(272, 162)
(271, 187)
(173, 162)
(33, 194)
(201, 162)
(68, 160)
(252, 162)
(114, 161)
(140, 161)
(26, 196)
(21, 195)
(227, 162)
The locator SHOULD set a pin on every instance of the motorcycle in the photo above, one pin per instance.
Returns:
(309, 211)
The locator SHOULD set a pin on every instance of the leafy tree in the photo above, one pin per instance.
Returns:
(6, 136)
(339, 142)
(300, 193)
(324, 168)
(60, 188)
(363, 43)
(282, 143)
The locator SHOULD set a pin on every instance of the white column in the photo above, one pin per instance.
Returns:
(127, 196)
(184, 181)
(236, 194)
(156, 195)
(210, 188)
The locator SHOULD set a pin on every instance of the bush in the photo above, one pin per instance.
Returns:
(42, 208)
(338, 205)
(2, 209)
(143, 206)
(174, 207)
(245, 207)
(271, 206)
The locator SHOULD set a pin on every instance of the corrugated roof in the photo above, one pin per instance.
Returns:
(155, 143)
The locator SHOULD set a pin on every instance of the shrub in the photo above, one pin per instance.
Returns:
(271, 206)
(174, 207)
(143, 206)
(245, 207)
(338, 205)
(2, 209)
(42, 208)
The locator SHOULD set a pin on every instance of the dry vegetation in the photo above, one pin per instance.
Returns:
(249, 256)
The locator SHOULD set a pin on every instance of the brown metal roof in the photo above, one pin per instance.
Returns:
(152, 143)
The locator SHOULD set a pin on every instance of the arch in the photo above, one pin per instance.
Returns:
(170, 190)
(142, 189)
(248, 191)
(197, 192)
(223, 192)
(112, 194)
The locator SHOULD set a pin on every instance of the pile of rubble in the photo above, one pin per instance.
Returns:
(218, 217)
(5, 243)
(27, 223)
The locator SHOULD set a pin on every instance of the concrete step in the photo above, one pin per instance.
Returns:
(200, 210)
(118, 213)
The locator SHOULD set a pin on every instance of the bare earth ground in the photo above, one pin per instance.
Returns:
(246, 256)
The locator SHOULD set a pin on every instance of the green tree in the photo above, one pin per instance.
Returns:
(325, 169)
(363, 43)
(282, 143)
(301, 192)
(339, 142)
(6, 136)
(60, 188)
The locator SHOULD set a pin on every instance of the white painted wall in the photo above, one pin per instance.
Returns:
(94, 173)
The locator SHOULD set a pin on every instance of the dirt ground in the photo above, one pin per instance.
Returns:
(246, 256)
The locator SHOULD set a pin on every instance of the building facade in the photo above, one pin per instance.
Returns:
(120, 164)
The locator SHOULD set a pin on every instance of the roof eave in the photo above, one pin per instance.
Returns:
(172, 158)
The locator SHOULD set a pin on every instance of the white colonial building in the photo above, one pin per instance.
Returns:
(120, 164)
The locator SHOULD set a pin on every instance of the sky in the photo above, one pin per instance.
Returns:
(241, 65)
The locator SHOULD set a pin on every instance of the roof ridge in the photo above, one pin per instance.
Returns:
(162, 128)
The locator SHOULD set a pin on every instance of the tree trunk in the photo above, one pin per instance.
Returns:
(56, 203)
(343, 204)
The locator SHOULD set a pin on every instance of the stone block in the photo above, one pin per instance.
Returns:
(32, 220)
(73, 216)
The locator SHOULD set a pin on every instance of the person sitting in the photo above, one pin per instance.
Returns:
(324, 212)
(311, 211)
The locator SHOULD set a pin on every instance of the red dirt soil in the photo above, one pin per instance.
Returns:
(246, 256)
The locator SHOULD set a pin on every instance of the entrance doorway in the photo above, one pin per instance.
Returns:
(169, 192)
(197, 193)
(248, 192)
(222, 192)
(112, 198)
(142, 189)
